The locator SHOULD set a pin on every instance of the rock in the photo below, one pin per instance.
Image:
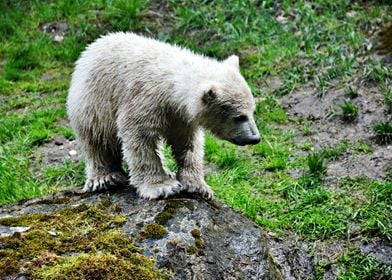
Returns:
(59, 141)
(187, 238)
(57, 28)
(73, 153)
(8, 231)
(58, 38)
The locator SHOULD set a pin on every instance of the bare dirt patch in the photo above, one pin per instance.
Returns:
(325, 128)
(323, 113)
(58, 151)
(373, 166)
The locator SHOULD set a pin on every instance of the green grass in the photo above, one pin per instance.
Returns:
(336, 151)
(383, 132)
(352, 92)
(357, 266)
(316, 165)
(388, 100)
(317, 45)
(349, 111)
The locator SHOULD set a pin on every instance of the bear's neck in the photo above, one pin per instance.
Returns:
(188, 85)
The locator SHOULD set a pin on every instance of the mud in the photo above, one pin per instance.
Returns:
(374, 166)
(325, 128)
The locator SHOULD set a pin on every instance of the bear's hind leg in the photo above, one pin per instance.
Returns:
(103, 164)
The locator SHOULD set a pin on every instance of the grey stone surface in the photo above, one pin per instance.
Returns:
(230, 246)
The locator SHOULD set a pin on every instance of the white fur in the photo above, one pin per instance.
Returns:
(129, 93)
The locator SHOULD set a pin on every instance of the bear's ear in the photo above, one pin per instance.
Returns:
(233, 61)
(209, 95)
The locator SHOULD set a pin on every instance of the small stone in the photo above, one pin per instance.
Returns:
(72, 153)
(368, 46)
(58, 141)
(52, 233)
(272, 234)
(351, 14)
(19, 229)
(281, 19)
(58, 39)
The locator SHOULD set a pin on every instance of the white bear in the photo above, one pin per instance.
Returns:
(130, 93)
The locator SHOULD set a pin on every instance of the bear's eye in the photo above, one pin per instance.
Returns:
(240, 118)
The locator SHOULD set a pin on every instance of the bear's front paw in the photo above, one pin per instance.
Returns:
(104, 182)
(159, 190)
(194, 184)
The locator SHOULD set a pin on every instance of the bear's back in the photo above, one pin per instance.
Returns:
(132, 49)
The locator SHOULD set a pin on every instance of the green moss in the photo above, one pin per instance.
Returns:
(104, 202)
(167, 213)
(199, 243)
(191, 250)
(8, 265)
(23, 221)
(196, 233)
(98, 266)
(154, 231)
(170, 210)
(75, 243)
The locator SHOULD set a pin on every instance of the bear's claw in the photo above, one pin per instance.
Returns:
(197, 186)
(165, 189)
(103, 183)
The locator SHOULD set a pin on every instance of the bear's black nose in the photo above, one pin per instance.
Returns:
(254, 140)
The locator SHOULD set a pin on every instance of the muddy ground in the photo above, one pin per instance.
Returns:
(317, 122)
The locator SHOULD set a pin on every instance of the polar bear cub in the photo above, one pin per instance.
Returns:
(129, 94)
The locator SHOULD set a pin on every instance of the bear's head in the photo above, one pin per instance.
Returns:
(228, 106)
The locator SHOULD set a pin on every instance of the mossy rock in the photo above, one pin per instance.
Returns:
(74, 243)
(117, 236)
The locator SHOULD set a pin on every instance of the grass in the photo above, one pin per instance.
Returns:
(383, 132)
(316, 165)
(359, 266)
(316, 45)
(352, 92)
(388, 100)
(349, 111)
(336, 151)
